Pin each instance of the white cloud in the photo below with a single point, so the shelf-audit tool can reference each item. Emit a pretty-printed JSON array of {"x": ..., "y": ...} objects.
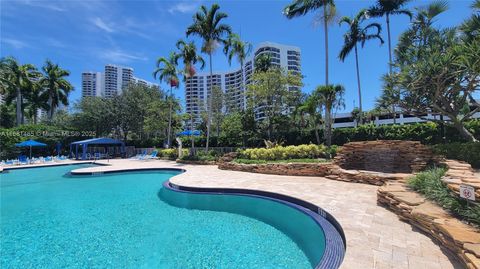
[
  {"x": 182, "y": 8},
  {"x": 44, "y": 4},
  {"x": 15, "y": 43},
  {"x": 118, "y": 56},
  {"x": 98, "y": 22}
]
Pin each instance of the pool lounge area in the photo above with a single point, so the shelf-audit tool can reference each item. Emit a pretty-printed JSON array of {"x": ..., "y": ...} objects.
[{"x": 374, "y": 236}]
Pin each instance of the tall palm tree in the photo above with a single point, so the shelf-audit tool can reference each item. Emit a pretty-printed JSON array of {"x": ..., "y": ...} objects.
[
  {"x": 358, "y": 34},
  {"x": 301, "y": 7},
  {"x": 332, "y": 98},
  {"x": 235, "y": 47},
  {"x": 188, "y": 53},
  {"x": 207, "y": 25},
  {"x": 388, "y": 8},
  {"x": 16, "y": 80},
  {"x": 35, "y": 101},
  {"x": 56, "y": 87},
  {"x": 167, "y": 72}
]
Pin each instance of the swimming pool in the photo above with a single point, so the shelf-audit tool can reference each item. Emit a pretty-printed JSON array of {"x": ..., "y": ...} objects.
[{"x": 129, "y": 220}]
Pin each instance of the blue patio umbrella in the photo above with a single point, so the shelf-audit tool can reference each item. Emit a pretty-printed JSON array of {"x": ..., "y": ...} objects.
[
  {"x": 29, "y": 144},
  {"x": 189, "y": 133}
]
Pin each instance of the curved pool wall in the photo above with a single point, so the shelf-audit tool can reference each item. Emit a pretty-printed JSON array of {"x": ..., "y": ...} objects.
[
  {"x": 314, "y": 230},
  {"x": 318, "y": 234}
]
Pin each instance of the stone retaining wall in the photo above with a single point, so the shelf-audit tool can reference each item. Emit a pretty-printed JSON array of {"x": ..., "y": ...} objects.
[
  {"x": 460, "y": 173},
  {"x": 458, "y": 237},
  {"x": 328, "y": 170},
  {"x": 389, "y": 156}
]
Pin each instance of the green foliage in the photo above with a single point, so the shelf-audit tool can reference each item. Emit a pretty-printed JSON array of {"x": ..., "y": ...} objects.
[
  {"x": 47, "y": 134},
  {"x": 248, "y": 161},
  {"x": 201, "y": 156},
  {"x": 284, "y": 153},
  {"x": 468, "y": 152},
  {"x": 429, "y": 184},
  {"x": 172, "y": 153}
]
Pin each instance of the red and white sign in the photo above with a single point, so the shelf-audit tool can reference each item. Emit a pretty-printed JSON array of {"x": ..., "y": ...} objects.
[{"x": 467, "y": 192}]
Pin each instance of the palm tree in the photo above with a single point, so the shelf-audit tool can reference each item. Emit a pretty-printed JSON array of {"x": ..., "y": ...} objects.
[
  {"x": 301, "y": 7},
  {"x": 358, "y": 34},
  {"x": 56, "y": 87},
  {"x": 35, "y": 100},
  {"x": 16, "y": 80},
  {"x": 207, "y": 25},
  {"x": 388, "y": 8},
  {"x": 332, "y": 98},
  {"x": 313, "y": 106},
  {"x": 167, "y": 72},
  {"x": 188, "y": 53},
  {"x": 235, "y": 47}
]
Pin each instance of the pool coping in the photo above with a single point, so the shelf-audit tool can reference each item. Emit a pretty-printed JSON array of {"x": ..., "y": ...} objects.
[
  {"x": 333, "y": 255},
  {"x": 20, "y": 167}
]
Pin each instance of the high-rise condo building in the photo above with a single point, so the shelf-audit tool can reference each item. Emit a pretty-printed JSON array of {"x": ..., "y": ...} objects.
[
  {"x": 233, "y": 83},
  {"x": 92, "y": 84},
  {"x": 111, "y": 82},
  {"x": 116, "y": 78}
]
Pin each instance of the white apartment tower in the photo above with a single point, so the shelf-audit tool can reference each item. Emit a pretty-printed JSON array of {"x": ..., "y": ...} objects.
[
  {"x": 116, "y": 78},
  {"x": 111, "y": 82},
  {"x": 197, "y": 88},
  {"x": 92, "y": 84}
]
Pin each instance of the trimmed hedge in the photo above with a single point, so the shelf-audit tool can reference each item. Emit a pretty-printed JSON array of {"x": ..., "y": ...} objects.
[
  {"x": 468, "y": 152},
  {"x": 284, "y": 153},
  {"x": 172, "y": 153}
]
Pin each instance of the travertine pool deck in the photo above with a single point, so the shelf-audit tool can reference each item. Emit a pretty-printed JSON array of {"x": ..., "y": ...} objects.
[{"x": 375, "y": 237}]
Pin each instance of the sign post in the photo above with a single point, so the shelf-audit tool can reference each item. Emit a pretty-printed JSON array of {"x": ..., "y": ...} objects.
[{"x": 467, "y": 192}]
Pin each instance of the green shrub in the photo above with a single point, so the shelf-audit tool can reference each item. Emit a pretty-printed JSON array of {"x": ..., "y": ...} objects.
[
  {"x": 468, "y": 152},
  {"x": 171, "y": 153},
  {"x": 201, "y": 156},
  {"x": 429, "y": 184},
  {"x": 284, "y": 153}
]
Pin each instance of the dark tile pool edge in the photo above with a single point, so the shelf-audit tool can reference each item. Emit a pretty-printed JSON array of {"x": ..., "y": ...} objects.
[
  {"x": 335, "y": 245},
  {"x": 124, "y": 171}
]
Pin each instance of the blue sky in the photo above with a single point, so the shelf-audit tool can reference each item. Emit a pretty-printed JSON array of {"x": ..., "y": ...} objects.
[{"x": 86, "y": 35}]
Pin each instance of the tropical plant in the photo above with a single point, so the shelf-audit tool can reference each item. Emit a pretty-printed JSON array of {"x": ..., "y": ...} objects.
[
  {"x": 57, "y": 88},
  {"x": 388, "y": 8},
  {"x": 188, "y": 53},
  {"x": 332, "y": 98},
  {"x": 471, "y": 26},
  {"x": 312, "y": 106},
  {"x": 15, "y": 81},
  {"x": 301, "y": 7},
  {"x": 35, "y": 101},
  {"x": 358, "y": 34},
  {"x": 207, "y": 24},
  {"x": 167, "y": 71},
  {"x": 390, "y": 96}
]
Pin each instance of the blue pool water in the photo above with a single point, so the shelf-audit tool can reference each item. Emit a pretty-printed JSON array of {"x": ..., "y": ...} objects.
[{"x": 49, "y": 220}]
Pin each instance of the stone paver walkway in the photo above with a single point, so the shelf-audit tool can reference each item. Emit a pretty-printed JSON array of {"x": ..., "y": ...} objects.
[{"x": 375, "y": 237}]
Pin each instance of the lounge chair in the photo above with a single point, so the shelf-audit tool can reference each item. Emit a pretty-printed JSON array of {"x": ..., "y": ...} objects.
[
  {"x": 49, "y": 159},
  {"x": 153, "y": 155},
  {"x": 139, "y": 156},
  {"x": 22, "y": 159}
]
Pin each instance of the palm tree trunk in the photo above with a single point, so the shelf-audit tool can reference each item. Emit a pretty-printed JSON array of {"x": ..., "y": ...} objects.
[
  {"x": 325, "y": 26},
  {"x": 358, "y": 84},
  {"x": 328, "y": 126},
  {"x": 169, "y": 119},
  {"x": 317, "y": 135},
  {"x": 50, "y": 109},
  {"x": 389, "y": 44},
  {"x": 209, "y": 102},
  {"x": 19, "y": 108}
]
